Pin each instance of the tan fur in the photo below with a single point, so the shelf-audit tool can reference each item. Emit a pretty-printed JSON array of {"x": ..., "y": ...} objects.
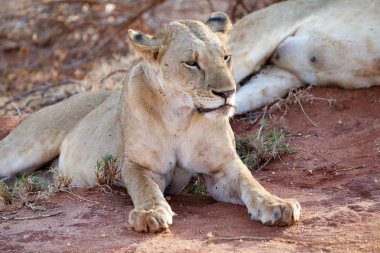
[
  {"x": 37, "y": 139},
  {"x": 170, "y": 121},
  {"x": 318, "y": 42}
]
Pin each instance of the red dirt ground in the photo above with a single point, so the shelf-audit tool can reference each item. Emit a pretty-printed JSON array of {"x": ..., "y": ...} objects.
[{"x": 334, "y": 173}]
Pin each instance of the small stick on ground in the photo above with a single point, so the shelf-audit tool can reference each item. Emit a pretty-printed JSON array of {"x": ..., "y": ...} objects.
[
  {"x": 32, "y": 217},
  {"x": 252, "y": 238},
  {"x": 238, "y": 238},
  {"x": 262, "y": 166},
  {"x": 307, "y": 117},
  {"x": 352, "y": 168},
  {"x": 34, "y": 207},
  {"x": 80, "y": 197},
  {"x": 105, "y": 188}
]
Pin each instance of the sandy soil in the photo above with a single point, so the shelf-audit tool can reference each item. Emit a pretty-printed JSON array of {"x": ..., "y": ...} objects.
[{"x": 334, "y": 173}]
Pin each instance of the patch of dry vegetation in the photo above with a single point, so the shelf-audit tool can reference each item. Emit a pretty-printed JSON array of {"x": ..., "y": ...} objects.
[
  {"x": 5, "y": 194},
  {"x": 258, "y": 149},
  {"x": 107, "y": 170},
  {"x": 299, "y": 96},
  {"x": 26, "y": 188},
  {"x": 268, "y": 142},
  {"x": 196, "y": 186},
  {"x": 60, "y": 181}
]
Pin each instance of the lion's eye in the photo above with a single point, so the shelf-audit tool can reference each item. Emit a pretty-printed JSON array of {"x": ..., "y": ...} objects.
[
  {"x": 227, "y": 58},
  {"x": 191, "y": 64}
]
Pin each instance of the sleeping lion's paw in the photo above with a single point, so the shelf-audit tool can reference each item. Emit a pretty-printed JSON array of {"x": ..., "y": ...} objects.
[
  {"x": 274, "y": 211},
  {"x": 151, "y": 221}
]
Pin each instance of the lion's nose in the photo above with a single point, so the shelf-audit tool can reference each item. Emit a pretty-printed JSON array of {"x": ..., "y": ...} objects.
[{"x": 223, "y": 94}]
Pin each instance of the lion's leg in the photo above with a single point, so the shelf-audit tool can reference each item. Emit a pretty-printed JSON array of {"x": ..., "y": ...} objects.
[
  {"x": 152, "y": 213},
  {"x": 271, "y": 84},
  {"x": 37, "y": 139},
  {"x": 235, "y": 184}
]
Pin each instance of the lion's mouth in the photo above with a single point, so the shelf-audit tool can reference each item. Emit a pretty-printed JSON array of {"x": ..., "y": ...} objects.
[{"x": 206, "y": 110}]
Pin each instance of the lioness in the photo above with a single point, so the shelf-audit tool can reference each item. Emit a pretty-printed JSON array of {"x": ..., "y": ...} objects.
[
  {"x": 172, "y": 120},
  {"x": 292, "y": 43}
]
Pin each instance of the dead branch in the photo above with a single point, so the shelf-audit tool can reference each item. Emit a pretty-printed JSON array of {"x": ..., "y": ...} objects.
[
  {"x": 306, "y": 116},
  {"x": 121, "y": 27},
  {"x": 240, "y": 8},
  {"x": 112, "y": 73},
  {"x": 211, "y": 6},
  {"x": 43, "y": 87},
  {"x": 234, "y": 7},
  {"x": 75, "y": 2}
]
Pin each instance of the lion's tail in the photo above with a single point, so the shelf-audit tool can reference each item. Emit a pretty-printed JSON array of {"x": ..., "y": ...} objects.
[{"x": 37, "y": 139}]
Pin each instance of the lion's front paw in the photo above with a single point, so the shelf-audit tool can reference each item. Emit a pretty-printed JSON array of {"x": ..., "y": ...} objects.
[
  {"x": 276, "y": 212},
  {"x": 152, "y": 221}
]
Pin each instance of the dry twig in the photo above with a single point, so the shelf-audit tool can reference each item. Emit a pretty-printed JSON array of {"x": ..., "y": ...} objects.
[
  {"x": 80, "y": 197},
  {"x": 251, "y": 238},
  {"x": 112, "y": 73},
  {"x": 238, "y": 238},
  {"x": 32, "y": 217},
  {"x": 306, "y": 116},
  {"x": 42, "y": 87}
]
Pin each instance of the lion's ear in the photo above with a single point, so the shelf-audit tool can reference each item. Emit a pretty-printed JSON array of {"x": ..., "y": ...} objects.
[
  {"x": 219, "y": 22},
  {"x": 145, "y": 45}
]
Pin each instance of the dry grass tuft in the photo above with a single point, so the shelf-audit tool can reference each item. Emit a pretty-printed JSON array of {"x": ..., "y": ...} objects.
[
  {"x": 107, "y": 170},
  {"x": 5, "y": 194},
  {"x": 60, "y": 182},
  {"x": 196, "y": 186},
  {"x": 268, "y": 143},
  {"x": 258, "y": 149},
  {"x": 26, "y": 188}
]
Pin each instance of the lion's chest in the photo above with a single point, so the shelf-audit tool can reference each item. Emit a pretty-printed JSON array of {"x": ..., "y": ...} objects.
[
  {"x": 207, "y": 149},
  {"x": 203, "y": 147},
  {"x": 159, "y": 158}
]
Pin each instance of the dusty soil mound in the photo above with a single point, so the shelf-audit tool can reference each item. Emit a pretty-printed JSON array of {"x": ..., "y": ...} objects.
[{"x": 334, "y": 173}]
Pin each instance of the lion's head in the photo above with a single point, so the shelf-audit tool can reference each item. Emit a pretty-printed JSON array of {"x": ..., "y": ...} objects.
[{"x": 191, "y": 58}]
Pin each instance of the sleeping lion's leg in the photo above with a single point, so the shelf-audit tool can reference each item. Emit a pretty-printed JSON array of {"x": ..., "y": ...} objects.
[
  {"x": 152, "y": 212},
  {"x": 235, "y": 184},
  {"x": 37, "y": 139},
  {"x": 179, "y": 180},
  {"x": 271, "y": 84}
]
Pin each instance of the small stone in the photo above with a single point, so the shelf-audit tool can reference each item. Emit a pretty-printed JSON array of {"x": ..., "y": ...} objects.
[
  {"x": 68, "y": 244},
  {"x": 209, "y": 235},
  {"x": 9, "y": 45},
  {"x": 103, "y": 235}
]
